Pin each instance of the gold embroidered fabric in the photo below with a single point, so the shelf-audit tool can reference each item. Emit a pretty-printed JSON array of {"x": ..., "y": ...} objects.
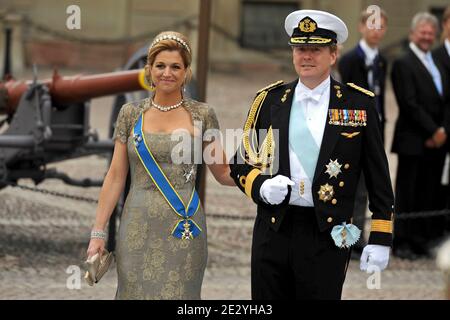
[{"x": 151, "y": 263}]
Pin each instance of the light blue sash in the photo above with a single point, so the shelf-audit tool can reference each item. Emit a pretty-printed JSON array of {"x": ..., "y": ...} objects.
[
  {"x": 185, "y": 228},
  {"x": 301, "y": 140}
]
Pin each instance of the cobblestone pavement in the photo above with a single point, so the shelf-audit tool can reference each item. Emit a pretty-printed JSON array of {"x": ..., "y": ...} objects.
[{"x": 43, "y": 238}]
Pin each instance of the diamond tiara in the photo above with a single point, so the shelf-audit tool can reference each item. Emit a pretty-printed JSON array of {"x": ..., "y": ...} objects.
[{"x": 171, "y": 37}]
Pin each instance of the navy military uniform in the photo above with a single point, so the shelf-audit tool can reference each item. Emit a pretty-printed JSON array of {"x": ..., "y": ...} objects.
[{"x": 293, "y": 254}]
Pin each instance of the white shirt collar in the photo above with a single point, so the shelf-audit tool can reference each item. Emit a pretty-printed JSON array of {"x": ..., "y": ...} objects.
[
  {"x": 301, "y": 90},
  {"x": 419, "y": 53},
  {"x": 370, "y": 53},
  {"x": 447, "y": 46}
]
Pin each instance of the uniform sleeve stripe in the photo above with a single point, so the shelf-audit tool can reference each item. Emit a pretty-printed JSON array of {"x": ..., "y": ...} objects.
[
  {"x": 249, "y": 181},
  {"x": 381, "y": 226}
]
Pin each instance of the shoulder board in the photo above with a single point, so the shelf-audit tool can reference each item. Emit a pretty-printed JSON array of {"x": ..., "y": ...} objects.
[
  {"x": 271, "y": 86},
  {"x": 365, "y": 91}
]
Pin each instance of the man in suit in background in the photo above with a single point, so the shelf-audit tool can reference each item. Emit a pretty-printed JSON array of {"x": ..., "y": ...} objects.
[
  {"x": 442, "y": 56},
  {"x": 366, "y": 67},
  {"x": 419, "y": 139}
]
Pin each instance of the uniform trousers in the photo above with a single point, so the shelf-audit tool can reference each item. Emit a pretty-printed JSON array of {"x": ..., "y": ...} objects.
[{"x": 297, "y": 261}]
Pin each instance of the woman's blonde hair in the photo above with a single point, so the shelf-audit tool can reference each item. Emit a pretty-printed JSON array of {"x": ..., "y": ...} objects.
[{"x": 171, "y": 41}]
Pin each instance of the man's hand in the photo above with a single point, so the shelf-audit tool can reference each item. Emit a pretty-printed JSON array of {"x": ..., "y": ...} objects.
[
  {"x": 374, "y": 255},
  {"x": 429, "y": 143},
  {"x": 274, "y": 190},
  {"x": 439, "y": 137}
]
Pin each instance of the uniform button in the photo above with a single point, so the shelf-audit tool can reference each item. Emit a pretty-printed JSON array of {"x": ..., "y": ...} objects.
[
  {"x": 273, "y": 220},
  {"x": 334, "y": 201},
  {"x": 341, "y": 184},
  {"x": 330, "y": 219},
  {"x": 346, "y": 166}
]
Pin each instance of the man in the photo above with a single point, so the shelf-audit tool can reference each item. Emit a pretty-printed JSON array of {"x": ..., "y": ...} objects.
[
  {"x": 442, "y": 56},
  {"x": 420, "y": 134},
  {"x": 320, "y": 135},
  {"x": 366, "y": 67}
]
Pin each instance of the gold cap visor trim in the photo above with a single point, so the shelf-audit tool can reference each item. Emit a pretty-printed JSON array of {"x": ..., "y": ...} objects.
[{"x": 309, "y": 40}]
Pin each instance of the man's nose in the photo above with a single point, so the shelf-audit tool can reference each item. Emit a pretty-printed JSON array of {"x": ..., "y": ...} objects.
[
  {"x": 428, "y": 37},
  {"x": 307, "y": 54}
]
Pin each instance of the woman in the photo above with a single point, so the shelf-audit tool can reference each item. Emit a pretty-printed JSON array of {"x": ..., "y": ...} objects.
[{"x": 162, "y": 246}]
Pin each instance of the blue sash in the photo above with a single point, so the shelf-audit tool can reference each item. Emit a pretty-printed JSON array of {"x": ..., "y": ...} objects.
[{"x": 185, "y": 228}]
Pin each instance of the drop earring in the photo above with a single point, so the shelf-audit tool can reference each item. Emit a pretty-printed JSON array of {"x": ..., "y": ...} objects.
[{"x": 149, "y": 83}]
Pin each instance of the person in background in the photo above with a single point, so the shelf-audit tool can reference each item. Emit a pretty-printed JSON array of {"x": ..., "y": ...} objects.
[
  {"x": 442, "y": 56},
  {"x": 366, "y": 67},
  {"x": 420, "y": 139}
]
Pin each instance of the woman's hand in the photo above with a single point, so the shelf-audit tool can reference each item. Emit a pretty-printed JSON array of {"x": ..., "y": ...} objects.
[{"x": 95, "y": 246}]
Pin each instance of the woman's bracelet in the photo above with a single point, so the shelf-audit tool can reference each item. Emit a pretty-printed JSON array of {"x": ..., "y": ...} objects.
[{"x": 98, "y": 234}]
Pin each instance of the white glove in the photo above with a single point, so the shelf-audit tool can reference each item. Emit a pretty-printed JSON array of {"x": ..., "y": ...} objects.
[
  {"x": 374, "y": 255},
  {"x": 274, "y": 190}
]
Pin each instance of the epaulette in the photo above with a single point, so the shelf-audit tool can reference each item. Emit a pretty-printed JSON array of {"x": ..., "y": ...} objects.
[
  {"x": 354, "y": 86},
  {"x": 271, "y": 86}
]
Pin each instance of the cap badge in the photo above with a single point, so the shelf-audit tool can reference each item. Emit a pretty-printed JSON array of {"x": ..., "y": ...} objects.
[{"x": 307, "y": 25}]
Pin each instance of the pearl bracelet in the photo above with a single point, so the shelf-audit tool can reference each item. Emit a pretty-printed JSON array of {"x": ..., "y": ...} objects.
[{"x": 98, "y": 234}]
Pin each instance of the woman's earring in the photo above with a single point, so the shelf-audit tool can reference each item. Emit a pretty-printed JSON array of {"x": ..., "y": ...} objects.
[
  {"x": 147, "y": 78},
  {"x": 184, "y": 85},
  {"x": 150, "y": 83}
]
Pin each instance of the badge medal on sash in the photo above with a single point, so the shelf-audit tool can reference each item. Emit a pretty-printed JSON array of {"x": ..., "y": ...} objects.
[
  {"x": 345, "y": 235},
  {"x": 185, "y": 228}
]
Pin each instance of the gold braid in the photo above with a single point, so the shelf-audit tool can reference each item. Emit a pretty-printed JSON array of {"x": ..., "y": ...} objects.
[{"x": 260, "y": 159}]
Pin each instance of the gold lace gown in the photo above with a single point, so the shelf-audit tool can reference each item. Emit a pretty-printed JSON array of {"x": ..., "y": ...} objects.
[{"x": 151, "y": 262}]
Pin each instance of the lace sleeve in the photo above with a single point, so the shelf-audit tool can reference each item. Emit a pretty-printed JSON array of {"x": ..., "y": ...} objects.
[
  {"x": 122, "y": 126},
  {"x": 211, "y": 119}
]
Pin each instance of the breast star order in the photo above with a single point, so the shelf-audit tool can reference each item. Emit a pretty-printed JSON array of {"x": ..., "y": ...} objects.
[{"x": 333, "y": 168}]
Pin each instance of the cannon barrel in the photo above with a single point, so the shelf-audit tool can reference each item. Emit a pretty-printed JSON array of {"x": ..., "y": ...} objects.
[{"x": 74, "y": 89}]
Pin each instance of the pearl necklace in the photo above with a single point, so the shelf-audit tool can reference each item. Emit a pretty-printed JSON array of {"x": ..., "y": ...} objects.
[{"x": 168, "y": 108}]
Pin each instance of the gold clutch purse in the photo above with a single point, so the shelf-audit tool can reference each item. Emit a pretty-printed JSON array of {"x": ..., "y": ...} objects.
[{"x": 97, "y": 266}]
